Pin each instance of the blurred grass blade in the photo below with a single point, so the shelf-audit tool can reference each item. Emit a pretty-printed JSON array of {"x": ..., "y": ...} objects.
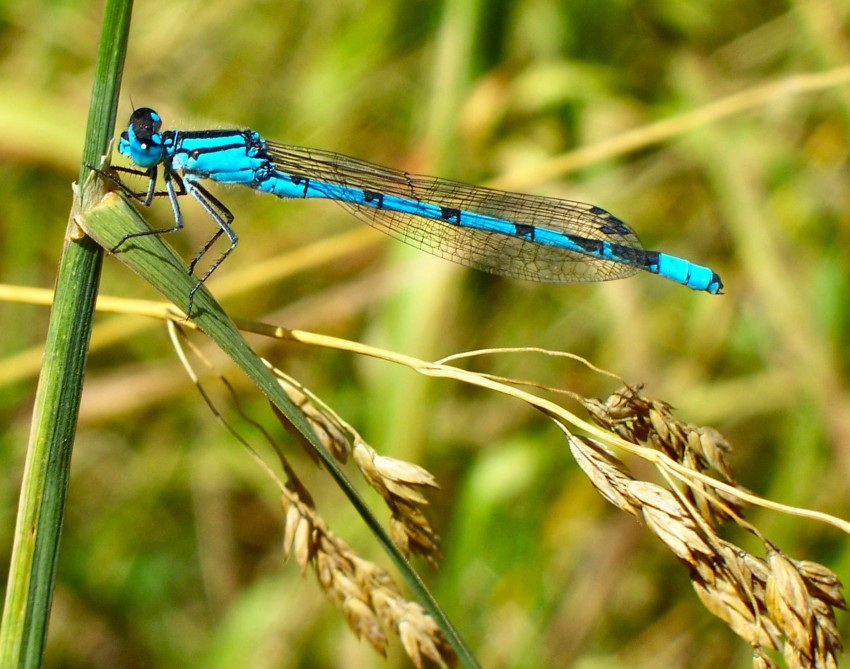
[
  {"x": 41, "y": 509},
  {"x": 111, "y": 221}
]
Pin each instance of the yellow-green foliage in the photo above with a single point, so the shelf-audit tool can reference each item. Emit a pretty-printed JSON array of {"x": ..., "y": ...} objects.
[{"x": 717, "y": 130}]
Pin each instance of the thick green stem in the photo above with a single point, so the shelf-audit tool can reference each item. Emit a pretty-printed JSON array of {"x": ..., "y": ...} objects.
[{"x": 43, "y": 491}]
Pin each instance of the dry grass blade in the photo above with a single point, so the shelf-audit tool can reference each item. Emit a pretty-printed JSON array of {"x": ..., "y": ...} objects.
[{"x": 774, "y": 603}]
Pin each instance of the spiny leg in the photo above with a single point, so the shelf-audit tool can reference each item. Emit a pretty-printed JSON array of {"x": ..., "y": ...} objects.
[
  {"x": 144, "y": 197},
  {"x": 223, "y": 217},
  {"x": 170, "y": 178}
]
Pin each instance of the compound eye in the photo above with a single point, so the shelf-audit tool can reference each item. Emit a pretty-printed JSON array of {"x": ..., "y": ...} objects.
[{"x": 145, "y": 122}]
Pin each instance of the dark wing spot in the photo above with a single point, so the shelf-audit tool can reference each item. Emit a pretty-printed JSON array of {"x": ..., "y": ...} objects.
[
  {"x": 374, "y": 198},
  {"x": 611, "y": 224},
  {"x": 525, "y": 231},
  {"x": 590, "y": 246},
  {"x": 449, "y": 213}
]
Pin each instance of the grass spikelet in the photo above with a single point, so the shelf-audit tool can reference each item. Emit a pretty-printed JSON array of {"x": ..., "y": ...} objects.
[
  {"x": 327, "y": 425},
  {"x": 367, "y": 594},
  {"x": 774, "y": 603},
  {"x": 399, "y": 483},
  {"x": 652, "y": 423},
  {"x": 607, "y": 473}
]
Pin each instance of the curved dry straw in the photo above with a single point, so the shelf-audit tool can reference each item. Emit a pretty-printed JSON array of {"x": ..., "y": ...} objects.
[{"x": 773, "y": 602}]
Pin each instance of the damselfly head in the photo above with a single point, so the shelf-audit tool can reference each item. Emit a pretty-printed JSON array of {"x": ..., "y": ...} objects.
[
  {"x": 142, "y": 141},
  {"x": 145, "y": 123}
]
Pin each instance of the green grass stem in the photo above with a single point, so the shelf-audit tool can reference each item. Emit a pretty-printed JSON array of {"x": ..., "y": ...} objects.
[{"x": 41, "y": 508}]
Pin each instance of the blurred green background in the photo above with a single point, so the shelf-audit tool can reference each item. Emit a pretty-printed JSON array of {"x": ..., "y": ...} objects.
[{"x": 171, "y": 553}]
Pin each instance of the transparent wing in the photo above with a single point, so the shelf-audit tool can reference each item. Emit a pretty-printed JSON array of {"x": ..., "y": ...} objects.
[{"x": 508, "y": 255}]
